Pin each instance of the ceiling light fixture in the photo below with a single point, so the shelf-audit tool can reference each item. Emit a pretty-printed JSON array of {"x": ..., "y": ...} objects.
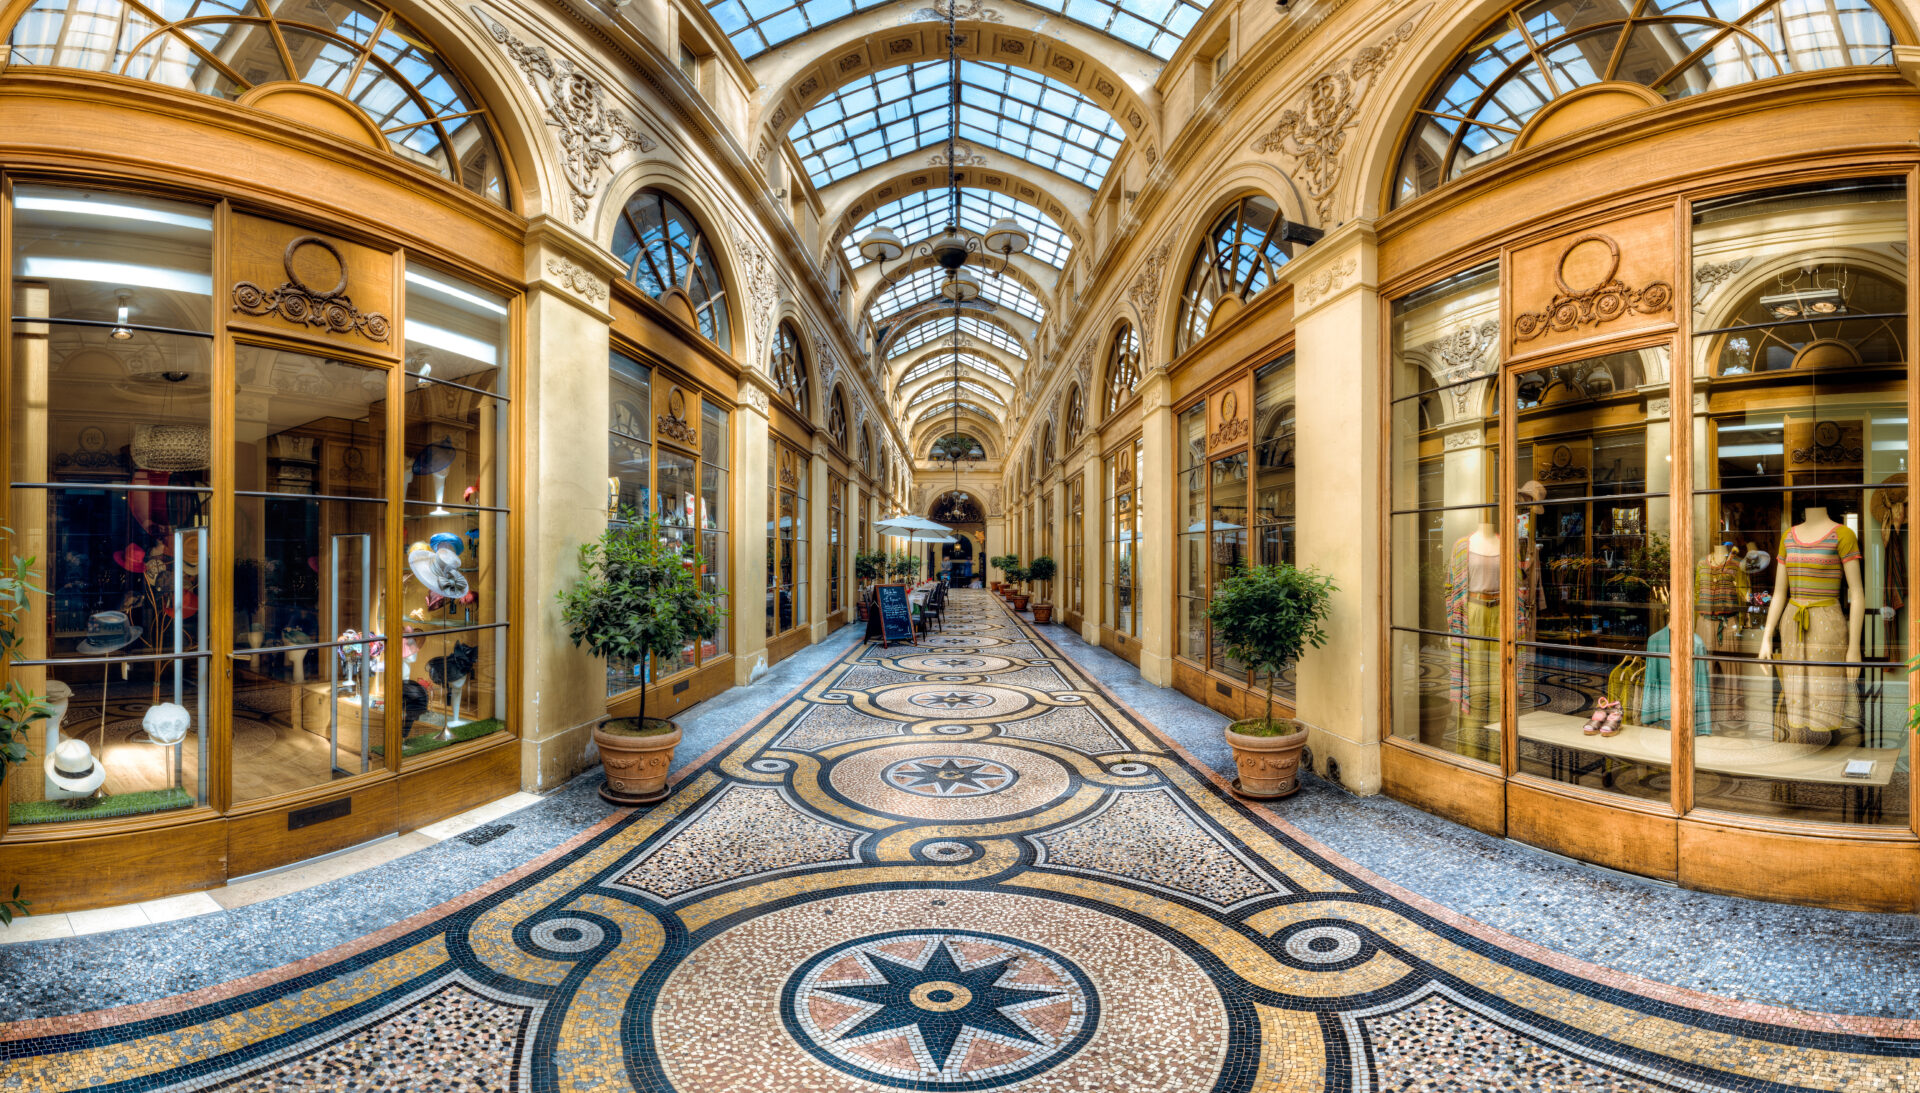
[{"x": 121, "y": 331}]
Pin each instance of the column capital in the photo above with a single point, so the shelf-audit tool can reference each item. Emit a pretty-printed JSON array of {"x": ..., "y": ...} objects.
[
  {"x": 569, "y": 266},
  {"x": 1343, "y": 262}
]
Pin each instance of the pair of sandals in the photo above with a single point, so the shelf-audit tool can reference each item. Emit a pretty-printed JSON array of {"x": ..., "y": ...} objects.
[{"x": 1605, "y": 720}]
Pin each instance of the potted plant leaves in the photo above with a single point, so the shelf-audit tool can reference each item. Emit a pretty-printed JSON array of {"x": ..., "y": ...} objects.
[
  {"x": 999, "y": 562},
  {"x": 905, "y": 566},
  {"x": 20, "y": 707},
  {"x": 1017, "y": 574},
  {"x": 1266, "y": 617},
  {"x": 868, "y": 566},
  {"x": 1041, "y": 571},
  {"x": 638, "y": 598}
]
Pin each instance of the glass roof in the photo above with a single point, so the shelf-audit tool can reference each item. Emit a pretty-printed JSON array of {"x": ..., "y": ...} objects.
[
  {"x": 924, "y": 285},
  {"x": 933, "y": 330},
  {"x": 945, "y": 409},
  {"x": 963, "y": 388},
  {"x": 922, "y": 215},
  {"x": 1546, "y": 49},
  {"x": 756, "y": 26},
  {"x": 968, "y": 361},
  {"x": 903, "y": 110}
]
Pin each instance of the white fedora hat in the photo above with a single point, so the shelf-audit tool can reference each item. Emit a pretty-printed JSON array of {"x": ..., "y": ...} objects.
[{"x": 73, "y": 768}]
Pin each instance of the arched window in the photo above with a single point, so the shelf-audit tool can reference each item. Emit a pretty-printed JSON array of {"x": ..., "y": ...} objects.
[
  {"x": 1046, "y": 447},
  {"x": 865, "y": 456},
  {"x": 1501, "y": 94},
  {"x": 1123, "y": 366},
  {"x": 1234, "y": 263},
  {"x": 790, "y": 367},
  {"x": 837, "y": 418},
  {"x": 360, "y": 51},
  {"x": 669, "y": 257},
  {"x": 1076, "y": 418}
]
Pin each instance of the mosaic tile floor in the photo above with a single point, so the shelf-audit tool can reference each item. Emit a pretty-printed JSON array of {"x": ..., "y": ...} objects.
[{"x": 964, "y": 867}]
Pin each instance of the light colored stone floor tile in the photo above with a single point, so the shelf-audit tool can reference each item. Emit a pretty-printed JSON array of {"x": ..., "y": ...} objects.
[
  {"x": 103, "y": 919},
  {"x": 35, "y": 928},
  {"x": 306, "y": 876},
  {"x": 178, "y": 907}
]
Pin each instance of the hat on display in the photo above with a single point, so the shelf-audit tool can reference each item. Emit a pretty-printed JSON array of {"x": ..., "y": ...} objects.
[
  {"x": 1533, "y": 492},
  {"x": 133, "y": 558},
  {"x": 435, "y": 458},
  {"x": 108, "y": 632},
  {"x": 72, "y": 768},
  {"x": 445, "y": 540},
  {"x": 190, "y": 555},
  {"x": 167, "y": 723},
  {"x": 436, "y": 574}
]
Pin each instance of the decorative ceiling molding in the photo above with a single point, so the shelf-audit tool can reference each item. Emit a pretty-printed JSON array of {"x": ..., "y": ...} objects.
[
  {"x": 590, "y": 133},
  {"x": 759, "y": 285},
  {"x": 1145, "y": 295}
]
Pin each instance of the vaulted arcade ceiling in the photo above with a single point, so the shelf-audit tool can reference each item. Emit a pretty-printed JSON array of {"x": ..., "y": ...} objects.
[{"x": 863, "y": 90}]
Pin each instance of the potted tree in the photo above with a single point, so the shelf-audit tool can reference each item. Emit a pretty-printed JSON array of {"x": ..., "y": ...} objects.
[
  {"x": 1041, "y": 572},
  {"x": 868, "y": 567},
  {"x": 638, "y": 597},
  {"x": 1266, "y": 617},
  {"x": 905, "y": 566},
  {"x": 20, "y": 707},
  {"x": 1017, "y": 574},
  {"x": 999, "y": 562}
]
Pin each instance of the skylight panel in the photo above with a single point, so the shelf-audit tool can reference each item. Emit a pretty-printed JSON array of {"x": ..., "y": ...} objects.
[
  {"x": 964, "y": 388},
  {"x": 918, "y": 217},
  {"x": 924, "y": 285},
  {"x": 969, "y": 362},
  {"x": 1155, "y": 26},
  {"x": 945, "y": 409},
  {"x": 903, "y": 110},
  {"x": 933, "y": 330}
]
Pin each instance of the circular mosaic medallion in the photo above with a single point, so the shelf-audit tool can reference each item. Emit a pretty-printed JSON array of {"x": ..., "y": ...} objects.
[
  {"x": 932, "y": 989},
  {"x": 946, "y": 700},
  {"x": 946, "y": 851},
  {"x": 567, "y": 935},
  {"x": 1130, "y": 768},
  {"x": 949, "y": 780},
  {"x": 1323, "y": 945},
  {"x": 949, "y": 776},
  {"x": 952, "y": 730},
  {"x": 958, "y": 662},
  {"x": 960, "y": 641},
  {"x": 770, "y": 766},
  {"x": 940, "y": 1007}
]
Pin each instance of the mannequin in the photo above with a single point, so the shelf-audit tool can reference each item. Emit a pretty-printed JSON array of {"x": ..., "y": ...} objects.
[
  {"x": 1816, "y": 557},
  {"x": 1473, "y": 610},
  {"x": 1720, "y": 589}
]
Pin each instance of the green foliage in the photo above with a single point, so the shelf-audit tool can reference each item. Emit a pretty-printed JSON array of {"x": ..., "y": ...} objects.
[
  {"x": 870, "y": 565},
  {"x": 1267, "y": 616},
  {"x": 1006, "y": 564},
  {"x": 1041, "y": 569},
  {"x": 639, "y": 596},
  {"x": 905, "y": 565},
  {"x": 1015, "y": 572},
  {"x": 19, "y": 707},
  {"x": 11, "y": 907}
]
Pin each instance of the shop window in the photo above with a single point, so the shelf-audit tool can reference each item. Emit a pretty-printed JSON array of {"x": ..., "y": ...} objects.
[
  {"x": 669, "y": 257},
  {"x": 1802, "y": 596},
  {"x": 1502, "y": 93},
  {"x": 836, "y": 536},
  {"x": 664, "y": 461},
  {"x": 1236, "y": 494},
  {"x": 788, "y": 472},
  {"x": 115, "y": 479},
  {"x": 1076, "y": 419},
  {"x": 1123, "y": 366},
  {"x": 1075, "y": 566},
  {"x": 1122, "y": 471},
  {"x": 399, "y": 83},
  {"x": 1237, "y": 261},
  {"x": 1446, "y": 542},
  {"x": 1591, "y": 541}
]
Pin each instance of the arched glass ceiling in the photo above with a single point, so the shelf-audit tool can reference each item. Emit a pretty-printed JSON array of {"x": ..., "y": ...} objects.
[
  {"x": 961, "y": 388},
  {"x": 903, "y": 110},
  {"x": 924, "y": 285},
  {"x": 933, "y": 330},
  {"x": 968, "y": 362},
  {"x": 756, "y": 26},
  {"x": 919, "y": 216},
  {"x": 945, "y": 409}
]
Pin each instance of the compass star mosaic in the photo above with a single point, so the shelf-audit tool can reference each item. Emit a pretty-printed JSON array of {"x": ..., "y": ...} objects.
[{"x": 869, "y": 889}]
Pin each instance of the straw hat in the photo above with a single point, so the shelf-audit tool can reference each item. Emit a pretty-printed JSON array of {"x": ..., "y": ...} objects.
[{"x": 72, "y": 768}]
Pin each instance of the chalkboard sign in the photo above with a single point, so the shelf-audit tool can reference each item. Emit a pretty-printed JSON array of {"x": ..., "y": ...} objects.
[{"x": 891, "y": 617}]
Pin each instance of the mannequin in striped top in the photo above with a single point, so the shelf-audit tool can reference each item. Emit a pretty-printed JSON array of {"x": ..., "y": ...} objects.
[{"x": 1816, "y": 558}]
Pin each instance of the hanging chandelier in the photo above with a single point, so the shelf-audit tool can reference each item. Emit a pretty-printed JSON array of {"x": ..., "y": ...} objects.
[{"x": 954, "y": 247}]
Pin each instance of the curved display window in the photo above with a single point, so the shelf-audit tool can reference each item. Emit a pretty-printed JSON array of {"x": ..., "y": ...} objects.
[
  {"x": 1666, "y": 570},
  {"x": 1122, "y": 471},
  {"x": 310, "y": 588},
  {"x": 788, "y": 473}
]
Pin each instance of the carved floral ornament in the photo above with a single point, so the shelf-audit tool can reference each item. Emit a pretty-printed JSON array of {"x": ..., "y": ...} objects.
[
  {"x": 577, "y": 279},
  {"x": 1314, "y": 132},
  {"x": 590, "y": 132},
  {"x": 1603, "y": 302},
  {"x": 1325, "y": 283},
  {"x": 299, "y": 303},
  {"x": 673, "y": 425},
  {"x": 1232, "y": 425}
]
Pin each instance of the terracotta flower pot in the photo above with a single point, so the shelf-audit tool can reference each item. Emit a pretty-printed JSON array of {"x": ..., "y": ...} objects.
[
  {"x": 1042, "y": 612},
  {"x": 1269, "y": 765},
  {"x": 636, "y": 765},
  {"x": 1019, "y": 601}
]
